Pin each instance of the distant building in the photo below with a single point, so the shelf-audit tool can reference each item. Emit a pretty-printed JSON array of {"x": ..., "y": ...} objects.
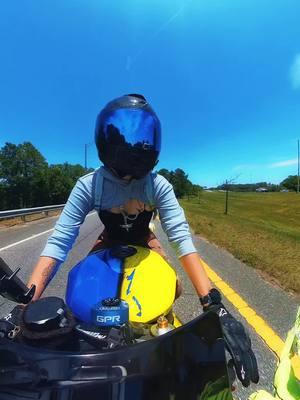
[{"x": 261, "y": 189}]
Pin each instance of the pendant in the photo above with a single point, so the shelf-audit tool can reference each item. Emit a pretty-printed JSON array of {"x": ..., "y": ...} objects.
[{"x": 126, "y": 226}]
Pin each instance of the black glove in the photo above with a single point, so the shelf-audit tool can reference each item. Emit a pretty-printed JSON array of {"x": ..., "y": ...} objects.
[{"x": 237, "y": 340}]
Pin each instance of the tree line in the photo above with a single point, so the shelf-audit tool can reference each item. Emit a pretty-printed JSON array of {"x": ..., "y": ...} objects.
[
  {"x": 290, "y": 183},
  {"x": 27, "y": 180},
  {"x": 181, "y": 184}
]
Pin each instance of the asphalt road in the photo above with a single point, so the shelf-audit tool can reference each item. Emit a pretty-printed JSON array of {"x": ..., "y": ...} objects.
[{"x": 22, "y": 245}]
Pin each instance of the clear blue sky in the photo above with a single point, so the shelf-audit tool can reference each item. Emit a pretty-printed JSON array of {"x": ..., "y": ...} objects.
[{"x": 223, "y": 76}]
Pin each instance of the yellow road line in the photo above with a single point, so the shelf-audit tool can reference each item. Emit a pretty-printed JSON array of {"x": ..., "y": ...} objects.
[{"x": 273, "y": 341}]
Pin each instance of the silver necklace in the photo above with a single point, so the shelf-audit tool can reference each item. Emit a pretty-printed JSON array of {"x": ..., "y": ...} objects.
[{"x": 127, "y": 218}]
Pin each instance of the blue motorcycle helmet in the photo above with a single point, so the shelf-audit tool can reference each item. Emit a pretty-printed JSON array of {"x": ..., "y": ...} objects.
[{"x": 128, "y": 136}]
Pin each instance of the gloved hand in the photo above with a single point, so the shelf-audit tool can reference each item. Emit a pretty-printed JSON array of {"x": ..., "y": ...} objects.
[{"x": 237, "y": 340}]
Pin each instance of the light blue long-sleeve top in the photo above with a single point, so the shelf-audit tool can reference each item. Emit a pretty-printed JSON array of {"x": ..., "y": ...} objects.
[{"x": 116, "y": 192}]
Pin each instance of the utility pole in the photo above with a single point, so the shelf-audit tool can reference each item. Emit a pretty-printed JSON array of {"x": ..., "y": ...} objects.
[
  {"x": 227, "y": 182},
  {"x": 85, "y": 155},
  {"x": 298, "y": 180},
  {"x": 226, "y": 202},
  {"x": 86, "y": 145}
]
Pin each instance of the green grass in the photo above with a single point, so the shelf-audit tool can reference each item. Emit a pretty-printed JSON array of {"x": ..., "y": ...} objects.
[{"x": 261, "y": 229}]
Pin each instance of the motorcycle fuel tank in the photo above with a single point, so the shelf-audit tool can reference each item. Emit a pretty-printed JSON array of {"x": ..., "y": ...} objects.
[{"x": 94, "y": 279}]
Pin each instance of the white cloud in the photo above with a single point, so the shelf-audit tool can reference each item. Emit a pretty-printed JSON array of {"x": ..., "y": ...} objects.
[
  {"x": 285, "y": 163},
  {"x": 244, "y": 167},
  {"x": 295, "y": 72},
  {"x": 253, "y": 167}
]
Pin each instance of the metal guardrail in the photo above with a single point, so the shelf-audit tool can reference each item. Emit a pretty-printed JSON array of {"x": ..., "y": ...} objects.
[{"x": 27, "y": 211}]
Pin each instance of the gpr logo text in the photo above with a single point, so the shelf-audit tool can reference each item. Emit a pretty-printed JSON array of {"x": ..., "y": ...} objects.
[{"x": 102, "y": 318}]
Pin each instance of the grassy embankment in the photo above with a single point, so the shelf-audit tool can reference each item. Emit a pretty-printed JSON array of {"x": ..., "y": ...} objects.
[{"x": 261, "y": 229}]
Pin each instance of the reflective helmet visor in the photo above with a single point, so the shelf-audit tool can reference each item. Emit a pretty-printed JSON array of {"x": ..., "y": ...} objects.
[
  {"x": 134, "y": 128},
  {"x": 128, "y": 140}
]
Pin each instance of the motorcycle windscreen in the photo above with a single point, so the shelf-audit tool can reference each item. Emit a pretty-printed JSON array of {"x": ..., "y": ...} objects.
[{"x": 187, "y": 363}]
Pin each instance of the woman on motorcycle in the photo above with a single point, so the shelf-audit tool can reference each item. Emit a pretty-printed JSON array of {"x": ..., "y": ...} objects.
[
  {"x": 128, "y": 136},
  {"x": 126, "y": 193}
]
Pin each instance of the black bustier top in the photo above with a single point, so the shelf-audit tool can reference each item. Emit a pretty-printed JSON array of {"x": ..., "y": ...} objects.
[{"x": 126, "y": 228}]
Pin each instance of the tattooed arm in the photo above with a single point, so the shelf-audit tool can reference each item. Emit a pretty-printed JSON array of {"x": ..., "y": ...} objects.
[{"x": 41, "y": 274}]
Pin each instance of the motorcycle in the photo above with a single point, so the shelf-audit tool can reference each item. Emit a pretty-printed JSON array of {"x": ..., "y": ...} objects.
[{"x": 115, "y": 337}]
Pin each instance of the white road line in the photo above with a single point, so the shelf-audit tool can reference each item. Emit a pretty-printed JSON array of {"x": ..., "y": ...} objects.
[
  {"x": 33, "y": 237},
  {"x": 25, "y": 240}
]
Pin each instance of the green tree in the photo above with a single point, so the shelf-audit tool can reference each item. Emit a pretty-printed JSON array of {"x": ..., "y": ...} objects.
[
  {"x": 3, "y": 196},
  {"x": 164, "y": 172},
  {"x": 73, "y": 171},
  {"x": 26, "y": 180},
  {"x": 61, "y": 178},
  {"x": 59, "y": 184},
  {"x": 196, "y": 189},
  {"x": 22, "y": 169},
  {"x": 181, "y": 184},
  {"x": 290, "y": 182}
]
